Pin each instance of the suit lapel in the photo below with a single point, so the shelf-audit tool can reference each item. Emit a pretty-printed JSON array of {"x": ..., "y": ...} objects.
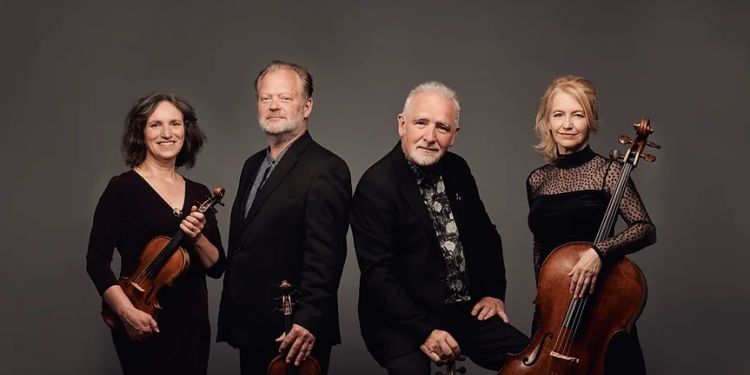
[
  {"x": 240, "y": 200},
  {"x": 410, "y": 192},
  {"x": 278, "y": 175}
]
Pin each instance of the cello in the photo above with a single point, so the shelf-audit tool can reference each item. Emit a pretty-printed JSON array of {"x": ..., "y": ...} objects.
[
  {"x": 573, "y": 333},
  {"x": 161, "y": 262},
  {"x": 278, "y": 365}
]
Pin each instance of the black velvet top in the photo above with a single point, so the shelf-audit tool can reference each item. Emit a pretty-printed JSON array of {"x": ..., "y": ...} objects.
[
  {"x": 567, "y": 201},
  {"x": 129, "y": 214}
]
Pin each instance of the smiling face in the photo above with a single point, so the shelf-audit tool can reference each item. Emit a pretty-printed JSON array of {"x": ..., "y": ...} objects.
[
  {"x": 282, "y": 108},
  {"x": 567, "y": 123},
  {"x": 164, "y": 133},
  {"x": 428, "y": 127}
]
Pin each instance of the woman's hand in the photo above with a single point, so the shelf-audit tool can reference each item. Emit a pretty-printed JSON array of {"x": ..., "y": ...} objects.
[
  {"x": 583, "y": 275},
  {"x": 138, "y": 324},
  {"x": 193, "y": 224}
]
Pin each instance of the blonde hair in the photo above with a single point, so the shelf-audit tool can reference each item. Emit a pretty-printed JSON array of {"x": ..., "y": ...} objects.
[{"x": 581, "y": 89}]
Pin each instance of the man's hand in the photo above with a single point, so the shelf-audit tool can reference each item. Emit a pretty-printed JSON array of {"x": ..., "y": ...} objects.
[
  {"x": 299, "y": 343},
  {"x": 440, "y": 345},
  {"x": 489, "y": 306}
]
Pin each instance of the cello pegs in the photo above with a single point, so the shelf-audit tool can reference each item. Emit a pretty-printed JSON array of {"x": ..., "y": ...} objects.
[
  {"x": 624, "y": 139},
  {"x": 648, "y": 157},
  {"x": 614, "y": 154}
]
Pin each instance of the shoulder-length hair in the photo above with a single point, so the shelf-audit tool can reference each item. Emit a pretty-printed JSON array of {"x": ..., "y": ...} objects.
[
  {"x": 580, "y": 88},
  {"x": 133, "y": 142}
]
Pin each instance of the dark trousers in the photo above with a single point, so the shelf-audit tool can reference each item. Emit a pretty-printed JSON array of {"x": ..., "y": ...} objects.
[
  {"x": 169, "y": 352},
  {"x": 254, "y": 360},
  {"x": 487, "y": 343}
]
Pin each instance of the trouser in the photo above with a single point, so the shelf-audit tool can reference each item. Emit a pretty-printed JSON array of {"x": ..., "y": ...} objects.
[{"x": 487, "y": 343}]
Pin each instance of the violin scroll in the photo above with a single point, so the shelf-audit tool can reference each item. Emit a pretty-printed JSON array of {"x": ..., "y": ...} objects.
[{"x": 451, "y": 368}]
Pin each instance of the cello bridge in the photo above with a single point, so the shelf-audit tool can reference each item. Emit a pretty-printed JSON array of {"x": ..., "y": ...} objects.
[{"x": 564, "y": 357}]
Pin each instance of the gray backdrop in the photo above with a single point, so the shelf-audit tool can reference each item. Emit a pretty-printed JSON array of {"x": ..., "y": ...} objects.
[{"x": 70, "y": 70}]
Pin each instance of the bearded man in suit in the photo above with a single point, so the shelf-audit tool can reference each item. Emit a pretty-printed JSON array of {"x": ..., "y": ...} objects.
[
  {"x": 288, "y": 222},
  {"x": 432, "y": 282}
]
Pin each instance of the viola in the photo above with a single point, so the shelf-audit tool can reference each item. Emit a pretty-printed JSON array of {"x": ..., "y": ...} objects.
[
  {"x": 573, "y": 333},
  {"x": 278, "y": 365},
  {"x": 161, "y": 262},
  {"x": 451, "y": 368}
]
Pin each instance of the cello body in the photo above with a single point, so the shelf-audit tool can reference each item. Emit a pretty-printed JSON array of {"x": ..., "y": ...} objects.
[{"x": 616, "y": 304}]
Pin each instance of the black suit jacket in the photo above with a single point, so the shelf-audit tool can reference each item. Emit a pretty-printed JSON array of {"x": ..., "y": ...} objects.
[
  {"x": 295, "y": 230},
  {"x": 402, "y": 289}
]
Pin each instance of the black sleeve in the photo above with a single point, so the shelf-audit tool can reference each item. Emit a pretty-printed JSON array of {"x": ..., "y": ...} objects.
[
  {"x": 640, "y": 231},
  {"x": 374, "y": 221},
  {"x": 326, "y": 224},
  {"x": 491, "y": 277},
  {"x": 105, "y": 234},
  {"x": 211, "y": 231}
]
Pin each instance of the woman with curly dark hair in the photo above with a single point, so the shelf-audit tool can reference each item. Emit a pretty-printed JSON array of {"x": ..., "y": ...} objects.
[{"x": 149, "y": 200}]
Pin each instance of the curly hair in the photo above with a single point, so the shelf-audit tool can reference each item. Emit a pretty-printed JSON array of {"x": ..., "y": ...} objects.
[{"x": 133, "y": 143}]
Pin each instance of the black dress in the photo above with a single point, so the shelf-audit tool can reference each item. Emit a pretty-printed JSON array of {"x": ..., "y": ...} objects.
[
  {"x": 129, "y": 214},
  {"x": 567, "y": 201}
]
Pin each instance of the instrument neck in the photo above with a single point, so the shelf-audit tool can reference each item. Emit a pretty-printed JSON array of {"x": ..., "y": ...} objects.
[
  {"x": 610, "y": 215},
  {"x": 160, "y": 260}
]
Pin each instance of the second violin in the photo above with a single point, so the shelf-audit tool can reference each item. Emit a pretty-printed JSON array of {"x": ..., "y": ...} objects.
[{"x": 278, "y": 365}]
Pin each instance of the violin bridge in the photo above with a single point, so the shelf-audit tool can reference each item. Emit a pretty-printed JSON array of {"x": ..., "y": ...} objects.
[
  {"x": 564, "y": 357},
  {"x": 135, "y": 285}
]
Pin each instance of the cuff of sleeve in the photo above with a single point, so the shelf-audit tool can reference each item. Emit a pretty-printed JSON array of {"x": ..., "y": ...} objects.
[
  {"x": 217, "y": 269},
  {"x": 598, "y": 251}
]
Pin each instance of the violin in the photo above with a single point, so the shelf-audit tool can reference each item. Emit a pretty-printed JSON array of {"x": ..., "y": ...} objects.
[
  {"x": 573, "y": 333},
  {"x": 451, "y": 368},
  {"x": 278, "y": 365},
  {"x": 162, "y": 261}
]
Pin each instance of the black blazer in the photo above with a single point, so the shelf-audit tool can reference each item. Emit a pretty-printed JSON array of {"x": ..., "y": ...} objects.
[
  {"x": 295, "y": 230},
  {"x": 402, "y": 290}
]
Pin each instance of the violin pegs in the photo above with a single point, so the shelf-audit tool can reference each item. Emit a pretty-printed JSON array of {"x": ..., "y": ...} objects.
[
  {"x": 648, "y": 157},
  {"x": 652, "y": 144},
  {"x": 624, "y": 139}
]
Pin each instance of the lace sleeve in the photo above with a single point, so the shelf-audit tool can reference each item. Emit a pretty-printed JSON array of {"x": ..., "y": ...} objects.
[
  {"x": 640, "y": 231},
  {"x": 532, "y": 184}
]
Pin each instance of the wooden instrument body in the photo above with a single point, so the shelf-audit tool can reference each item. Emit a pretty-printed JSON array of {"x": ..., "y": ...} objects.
[
  {"x": 278, "y": 366},
  {"x": 143, "y": 293},
  {"x": 617, "y": 302}
]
